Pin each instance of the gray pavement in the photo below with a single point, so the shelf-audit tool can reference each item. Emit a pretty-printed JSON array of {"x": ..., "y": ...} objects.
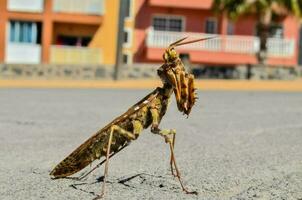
[{"x": 235, "y": 145}]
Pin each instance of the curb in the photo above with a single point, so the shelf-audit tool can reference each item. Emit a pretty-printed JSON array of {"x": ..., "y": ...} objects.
[{"x": 228, "y": 85}]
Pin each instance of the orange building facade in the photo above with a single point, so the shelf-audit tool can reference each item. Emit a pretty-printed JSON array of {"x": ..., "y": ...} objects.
[{"x": 58, "y": 31}]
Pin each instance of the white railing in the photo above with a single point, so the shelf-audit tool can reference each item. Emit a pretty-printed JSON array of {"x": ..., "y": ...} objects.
[
  {"x": 23, "y": 53},
  {"x": 281, "y": 47},
  {"x": 75, "y": 55},
  {"x": 222, "y": 43},
  {"x": 240, "y": 44},
  {"x": 26, "y": 6},
  {"x": 93, "y": 7}
]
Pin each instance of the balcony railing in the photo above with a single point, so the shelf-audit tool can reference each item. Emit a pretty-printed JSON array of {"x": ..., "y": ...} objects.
[
  {"x": 223, "y": 43},
  {"x": 23, "y": 53},
  {"x": 281, "y": 47},
  {"x": 25, "y": 6},
  {"x": 75, "y": 55},
  {"x": 92, "y": 7}
]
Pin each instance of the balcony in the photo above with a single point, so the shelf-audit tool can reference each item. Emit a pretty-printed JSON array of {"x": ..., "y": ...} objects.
[
  {"x": 89, "y": 7},
  {"x": 26, "y": 6},
  {"x": 23, "y": 53},
  {"x": 236, "y": 44},
  {"x": 225, "y": 49},
  {"x": 75, "y": 55}
]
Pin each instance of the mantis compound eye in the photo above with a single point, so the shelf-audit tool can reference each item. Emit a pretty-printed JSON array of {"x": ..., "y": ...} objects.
[{"x": 170, "y": 55}]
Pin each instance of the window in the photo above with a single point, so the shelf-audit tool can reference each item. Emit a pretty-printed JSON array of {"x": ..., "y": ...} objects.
[
  {"x": 211, "y": 26},
  {"x": 128, "y": 5},
  {"x": 168, "y": 23},
  {"x": 68, "y": 40},
  {"x": 230, "y": 28},
  {"x": 127, "y": 58},
  {"x": 160, "y": 24},
  {"x": 275, "y": 30},
  {"x": 175, "y": 24},
  {"x": 24, "y": 32},
  {"x": 127, "y": 37}
]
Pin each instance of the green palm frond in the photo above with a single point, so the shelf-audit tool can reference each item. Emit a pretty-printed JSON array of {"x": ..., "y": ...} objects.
[
  {"x": 236, "y": 8},
  {"x": 293, "y": 6}
]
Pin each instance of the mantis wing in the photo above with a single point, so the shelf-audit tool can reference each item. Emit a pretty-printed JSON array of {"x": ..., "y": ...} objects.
[{"x": 96, "y": 146}]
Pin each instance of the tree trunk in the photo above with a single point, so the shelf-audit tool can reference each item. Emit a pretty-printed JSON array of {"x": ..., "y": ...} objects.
[
  {"x": 263, "y": 36},
  {"x": 263, "y": 32}
]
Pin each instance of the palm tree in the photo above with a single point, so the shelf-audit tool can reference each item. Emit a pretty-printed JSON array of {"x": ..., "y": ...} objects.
[{"x": 266, "y": 11}]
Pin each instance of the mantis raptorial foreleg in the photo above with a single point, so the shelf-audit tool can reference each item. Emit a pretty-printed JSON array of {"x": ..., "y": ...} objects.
[{"x": 137, "y": 127}]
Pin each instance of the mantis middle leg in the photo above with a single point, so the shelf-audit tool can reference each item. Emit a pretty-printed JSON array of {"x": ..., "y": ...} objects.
[
  {"x": 166, "y": 133},
  {"x": 156, "y": 130}
]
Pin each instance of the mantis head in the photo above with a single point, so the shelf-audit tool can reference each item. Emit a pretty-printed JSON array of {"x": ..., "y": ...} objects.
[{"x": 173, "y": 74}]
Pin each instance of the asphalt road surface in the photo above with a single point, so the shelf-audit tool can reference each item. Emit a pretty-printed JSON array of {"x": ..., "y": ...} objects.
[{"x": 235, "y": 145}]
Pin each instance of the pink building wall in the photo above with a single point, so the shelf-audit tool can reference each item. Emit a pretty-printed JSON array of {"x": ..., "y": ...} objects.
[{"x": 195, "y": 16}]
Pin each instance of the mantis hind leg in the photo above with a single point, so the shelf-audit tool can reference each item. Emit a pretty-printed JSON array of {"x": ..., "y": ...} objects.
[
  {"x": 97, "y": 166},
  {"x": 125, "y": 133},
  {"x": 121, "y": 131}
]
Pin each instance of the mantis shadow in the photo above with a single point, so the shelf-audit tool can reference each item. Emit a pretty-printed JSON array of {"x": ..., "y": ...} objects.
[{"x": 141, "y": 178}]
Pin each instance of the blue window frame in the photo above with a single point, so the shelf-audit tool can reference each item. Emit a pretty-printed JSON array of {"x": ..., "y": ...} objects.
[{"x": 23, "y": 32}]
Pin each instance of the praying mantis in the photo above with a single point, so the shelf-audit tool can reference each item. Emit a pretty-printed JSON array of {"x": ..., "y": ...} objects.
[{"x": 148, "y": 112}]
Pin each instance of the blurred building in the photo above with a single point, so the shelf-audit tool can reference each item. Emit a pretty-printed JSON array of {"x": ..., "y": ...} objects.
[
  {"x": 159, "y": 23},
  {"x": 85, "y": 32},
  {"x": 58, "y": 31}
]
